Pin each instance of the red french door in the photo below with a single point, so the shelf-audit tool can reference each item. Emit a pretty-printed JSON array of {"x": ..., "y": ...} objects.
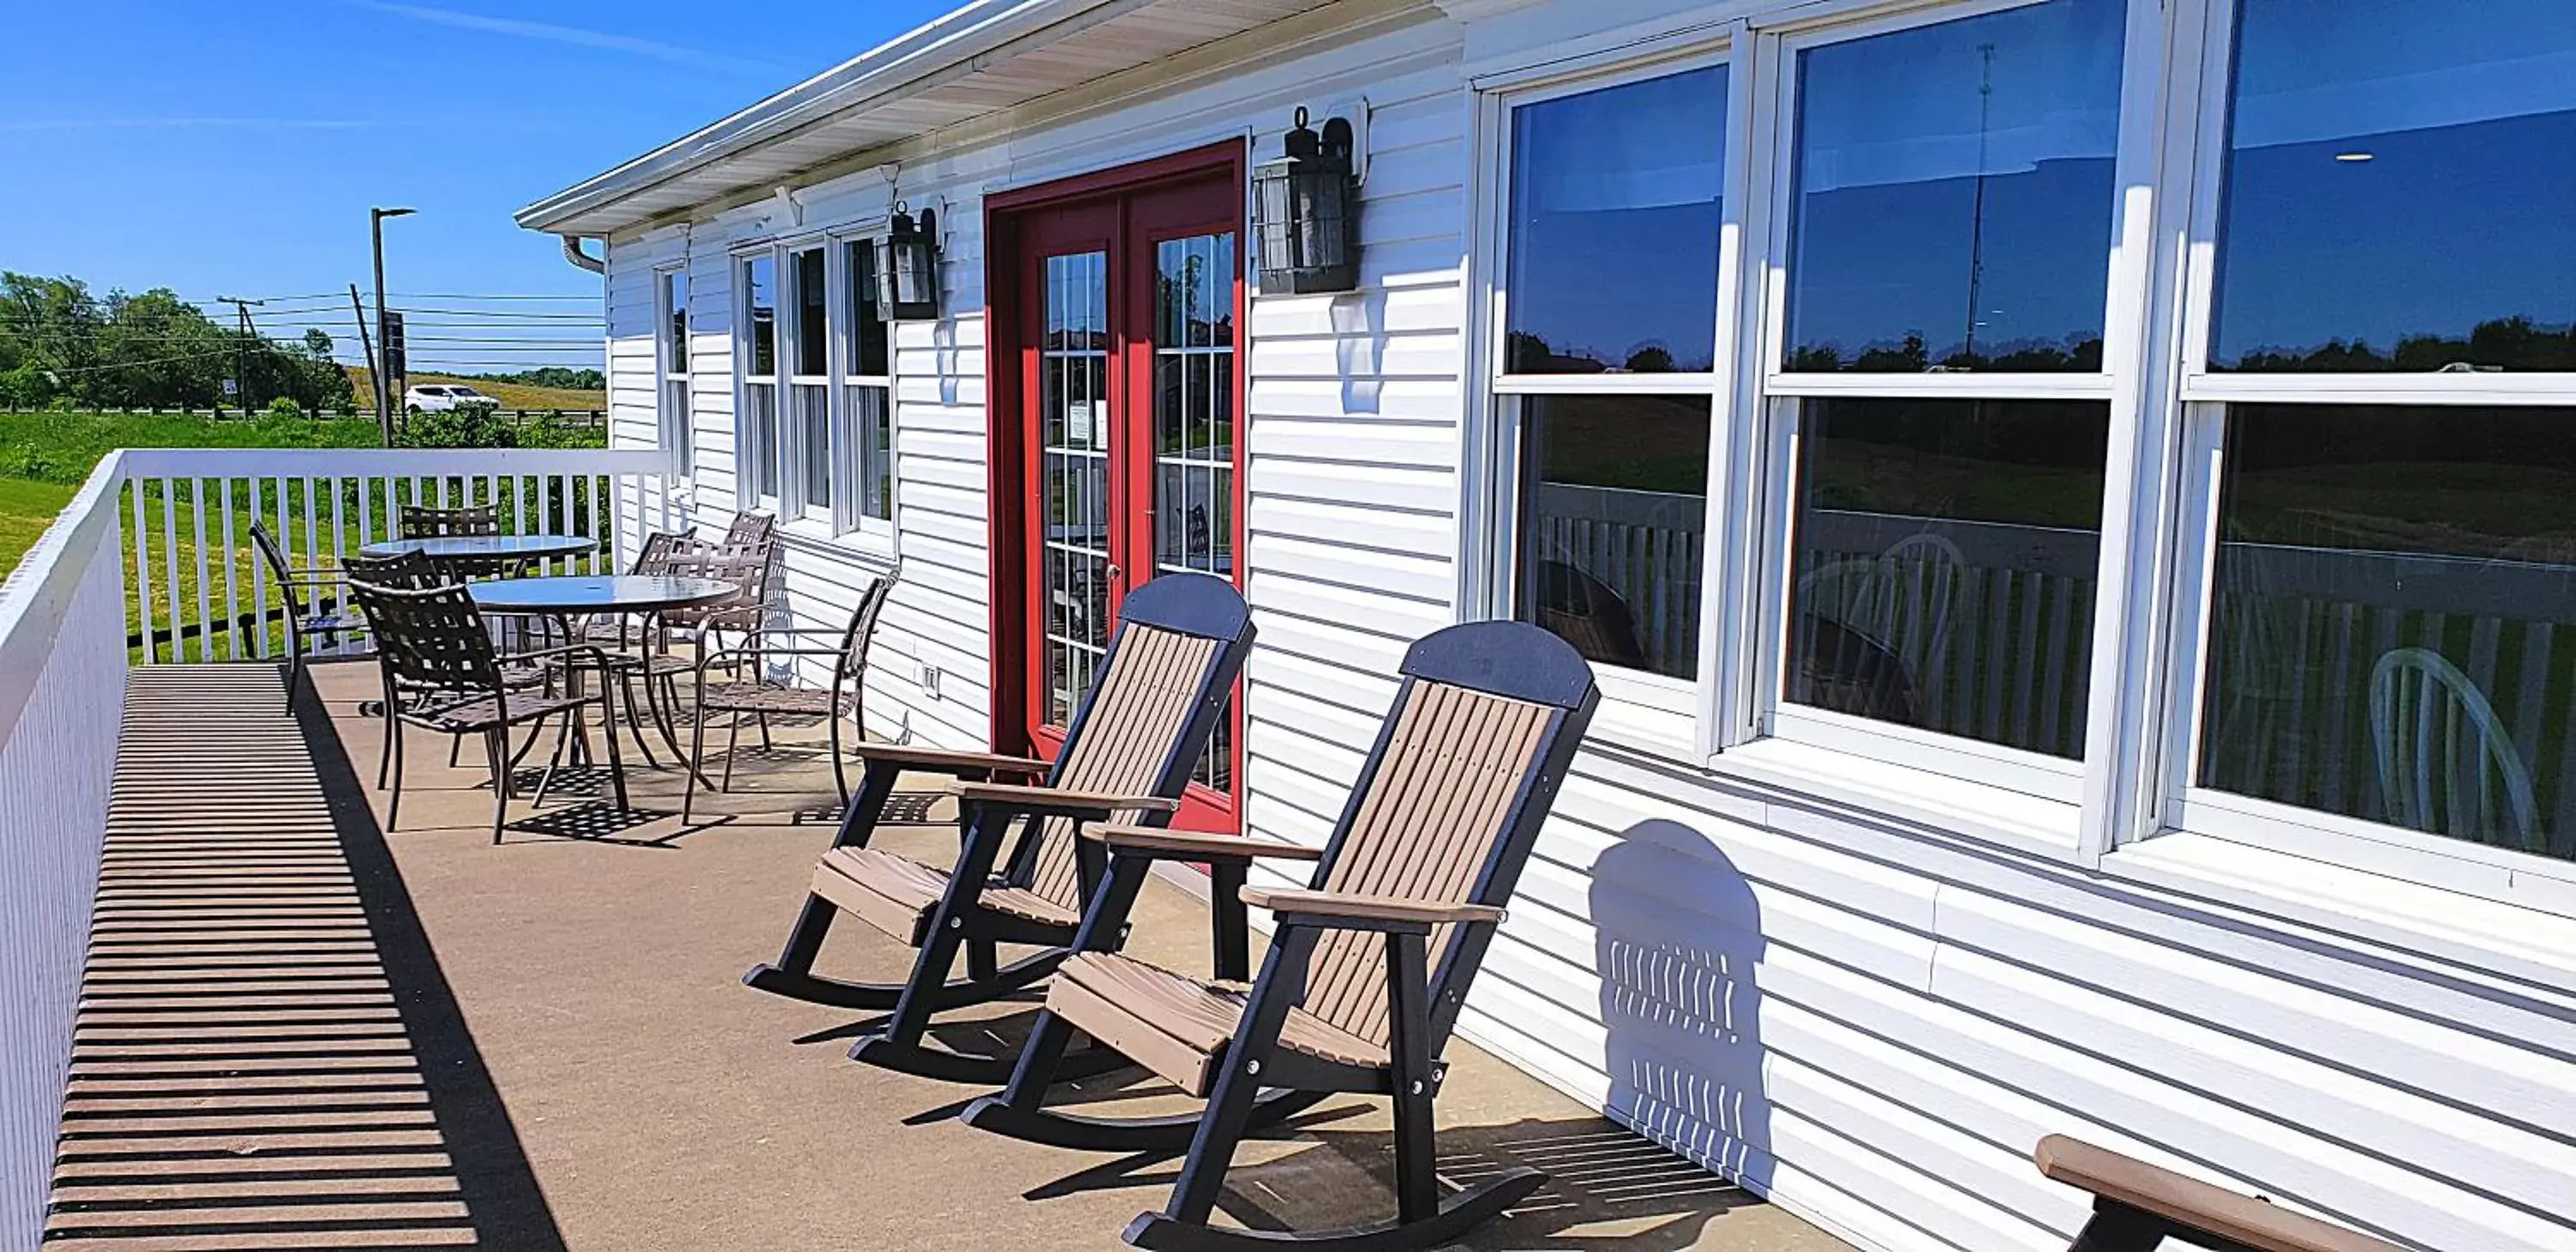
[{"x": 1117, "y": 324}]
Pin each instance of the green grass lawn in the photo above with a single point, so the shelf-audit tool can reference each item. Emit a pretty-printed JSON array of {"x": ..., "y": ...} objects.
[{"x": 26, "y": 508}]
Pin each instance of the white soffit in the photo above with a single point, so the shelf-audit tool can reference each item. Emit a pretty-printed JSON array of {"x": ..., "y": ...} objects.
[{"x": 985, "y": 57}]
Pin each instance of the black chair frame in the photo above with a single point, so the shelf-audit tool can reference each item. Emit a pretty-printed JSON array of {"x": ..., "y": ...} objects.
[
  {"x": 1261, "y": 1082},
  {"x": 1193, "y": 604}
]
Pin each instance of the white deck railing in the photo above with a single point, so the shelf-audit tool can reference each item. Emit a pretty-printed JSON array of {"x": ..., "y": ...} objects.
[{"x": 152, "y": 562}]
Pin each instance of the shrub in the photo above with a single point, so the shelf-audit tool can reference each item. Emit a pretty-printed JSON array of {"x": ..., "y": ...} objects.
[
  {"x": 285, "y": 406},
  {"x": 465, "y": 426}
]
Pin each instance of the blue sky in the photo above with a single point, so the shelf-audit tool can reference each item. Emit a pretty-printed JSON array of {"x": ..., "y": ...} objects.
[{"x": 233, "y": 147}]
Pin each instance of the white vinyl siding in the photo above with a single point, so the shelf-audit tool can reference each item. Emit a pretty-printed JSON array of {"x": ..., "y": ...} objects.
[{"x": 1913, "y": 993}]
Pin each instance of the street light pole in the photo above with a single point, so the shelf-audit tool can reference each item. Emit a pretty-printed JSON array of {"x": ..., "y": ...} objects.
[{"x": 384, "y": 385}]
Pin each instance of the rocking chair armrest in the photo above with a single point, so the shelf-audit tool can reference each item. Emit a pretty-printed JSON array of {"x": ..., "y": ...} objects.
[
  {"x": 2189, "y": 1202},
  {"x": 1056, "y": 801},
  {"x": 1156, "y": 843},
  {"x": 1342, "y": 911},
  {"x": 947, "y": 761}
]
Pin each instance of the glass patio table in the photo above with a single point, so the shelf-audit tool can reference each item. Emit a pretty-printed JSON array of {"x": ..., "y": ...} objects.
[{"x": 562, "y": 598}]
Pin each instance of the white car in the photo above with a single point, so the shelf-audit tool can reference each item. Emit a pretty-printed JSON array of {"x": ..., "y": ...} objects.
[{"x": 442, "y": 397}]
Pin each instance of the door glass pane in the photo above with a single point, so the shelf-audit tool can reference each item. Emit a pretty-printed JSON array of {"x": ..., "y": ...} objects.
[
  {"x": 1614, "y": 229},
  {"x": 1073, "y": 406},
  {"x": 813, "y": 340},
  {"x": 2399, "y": 190},
  {"x": 1944, "y": 565},
  {"x": 760, "y": 314},
  {"x": 1614, "y": 519},
  {"x": 2393, "y": 633},
  {"x": 1194, "y": 430},
  {"x": 1952, "y": 202}
]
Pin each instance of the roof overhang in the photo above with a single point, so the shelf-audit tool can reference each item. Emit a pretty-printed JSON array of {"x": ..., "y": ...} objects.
[{"x": 989, "y": 56}]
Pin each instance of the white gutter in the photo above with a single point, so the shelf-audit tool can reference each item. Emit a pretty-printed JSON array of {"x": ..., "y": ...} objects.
[{"x": 960, "y": 38}]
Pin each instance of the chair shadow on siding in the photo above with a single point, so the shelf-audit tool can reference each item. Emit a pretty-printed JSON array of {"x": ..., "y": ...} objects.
[{"x": 1678, "y": 936}]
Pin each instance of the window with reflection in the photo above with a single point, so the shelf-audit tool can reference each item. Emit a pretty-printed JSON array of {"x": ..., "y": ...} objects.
[
  {"x": 813, "y": 341},
  {"x": 1951, "y": 209},
  {"x": 2393, "y": 626},
  {"x": 867, "y": 392},
  {"x": 757, "y": 444},
  {"x": 1617, "y": 206},
  {"x": 673, "y": 393},
  {"x": 1614, "y": 519},
  {"x": 1943, "y": 565},
  {"x": 2400, "y": 194},
  {"x": 1614, "y": 228}
]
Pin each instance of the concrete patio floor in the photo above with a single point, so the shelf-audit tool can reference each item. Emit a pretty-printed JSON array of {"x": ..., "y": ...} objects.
[{"x": 599, "y": 1079}]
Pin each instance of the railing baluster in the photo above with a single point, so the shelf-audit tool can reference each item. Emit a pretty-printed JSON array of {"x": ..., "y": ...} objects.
[
  {"x": 142, "y": 568},
  {"x": 232, "y": 599},
  {"x": 170, "y": 561},
  {"x": 205, "y": 603}
]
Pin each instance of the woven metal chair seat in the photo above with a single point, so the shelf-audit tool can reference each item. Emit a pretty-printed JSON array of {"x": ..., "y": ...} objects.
[
  {"x": 896, "y": 894},
  {"x": 765, "y": 698},
  {"x": 485, "y": 712},
  {"x": 1179, "y": 1026}
]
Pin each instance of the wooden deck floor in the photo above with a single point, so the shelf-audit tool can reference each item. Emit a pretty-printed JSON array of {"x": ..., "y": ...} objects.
[
  {"x": 301, "y": 1031},
  {"x": 243, "y": 1075}
]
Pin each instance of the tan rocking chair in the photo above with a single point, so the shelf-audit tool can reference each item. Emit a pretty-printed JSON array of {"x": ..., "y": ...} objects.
[
  {"x": 1366, "y": 971},
  {"x": 1020, "y": 877},
  {"x": 2137, "y": 1206}
]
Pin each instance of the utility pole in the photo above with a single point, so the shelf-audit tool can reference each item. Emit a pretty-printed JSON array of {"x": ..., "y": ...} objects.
[
  {"x": 367, "y": 350},
  {"x": 384, "y": 386},
  {"x": 241, "y": 353},
  {"x": 1977, "y": 215}
]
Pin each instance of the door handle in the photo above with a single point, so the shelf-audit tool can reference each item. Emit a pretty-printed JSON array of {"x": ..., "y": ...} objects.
[{"x": 1115, "y": 573}]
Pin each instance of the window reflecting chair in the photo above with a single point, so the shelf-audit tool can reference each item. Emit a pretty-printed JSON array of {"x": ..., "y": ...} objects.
[
  {"x": 2446, "y": 763},
  {"x": 433, "y": 641},
  {"x": 763, "y": 694},
  {"x": 2138, "y": 1206},
  {"x": 1583, "y": 611}
]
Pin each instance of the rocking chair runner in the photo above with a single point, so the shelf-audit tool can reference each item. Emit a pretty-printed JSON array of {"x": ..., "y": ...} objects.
[
  {"x": 1366, "y": 972},
  {"x": 2137, "y": 1206},
  {"x": 1149, "y": 715}
]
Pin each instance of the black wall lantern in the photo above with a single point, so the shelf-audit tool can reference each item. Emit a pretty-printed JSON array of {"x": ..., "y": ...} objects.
[
  {"x": 1307, "y": 210},
  {"x": 910, "y": 275}
]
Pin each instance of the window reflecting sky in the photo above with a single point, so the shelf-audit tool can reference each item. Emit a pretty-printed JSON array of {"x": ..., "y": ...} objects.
[
  {"x": 1954, "y": 193},
  {"x": 1614, "y": 233},
  {"x": 2401, "y": 169}
]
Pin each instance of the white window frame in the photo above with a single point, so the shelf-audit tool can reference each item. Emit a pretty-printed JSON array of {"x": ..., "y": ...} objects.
[
  {"x": 797, "y": 509},
  {"x": 2169, "y": 801},
  {"x": 1765, "y": 711},
  {"x": 747, "y": 495},
  {"x": 852, "y": 457},
  {"x": 674, "y": 425},
  {"x": 1656, "y": 713},
  {"x": 2166, "y": 426}
]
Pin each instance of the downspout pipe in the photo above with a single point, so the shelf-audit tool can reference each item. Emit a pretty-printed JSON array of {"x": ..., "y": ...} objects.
[{"x": 574, "y": 254}]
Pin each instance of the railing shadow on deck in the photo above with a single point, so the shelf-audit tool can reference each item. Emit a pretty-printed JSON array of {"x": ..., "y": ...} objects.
[{"x": 499, "y": 1187}]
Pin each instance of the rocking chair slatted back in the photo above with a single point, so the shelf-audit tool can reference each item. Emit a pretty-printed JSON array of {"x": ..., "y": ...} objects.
[
  {"x": 1448, "y": 807},
  {"x": 420, "y": 521},
  {"x": 431, "y": 638},
  {"x": 1153, "y": 704},
  {"x": 1123, "y": 745}
]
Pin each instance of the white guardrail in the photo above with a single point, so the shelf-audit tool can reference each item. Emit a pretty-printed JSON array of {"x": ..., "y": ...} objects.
[{"x": 151, "y": 563}]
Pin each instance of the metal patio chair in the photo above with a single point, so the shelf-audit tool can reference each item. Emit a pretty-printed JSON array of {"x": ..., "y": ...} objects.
[
  {"x": 761, "y": 694},
  {"x": 2137, "y": 1206},
  {"x": 1366, "y": 970},
  {"x": 421, "y": 521},
  {"x": 748, "y": 527},
  {"x": 433, "y": 641},
  {"x": 1021, "y": 875},
  {"x": 321, "y": 617}
]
